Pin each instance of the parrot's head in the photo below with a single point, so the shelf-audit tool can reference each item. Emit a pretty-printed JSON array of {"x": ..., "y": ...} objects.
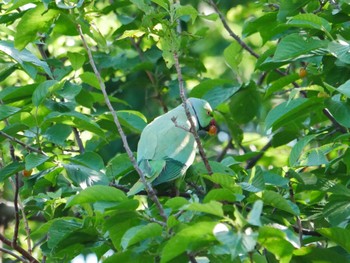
[{"x": 204, "y": 115}]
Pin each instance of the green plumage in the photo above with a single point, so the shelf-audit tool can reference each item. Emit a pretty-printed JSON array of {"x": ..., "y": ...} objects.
[{"x": 166, "y": 147}]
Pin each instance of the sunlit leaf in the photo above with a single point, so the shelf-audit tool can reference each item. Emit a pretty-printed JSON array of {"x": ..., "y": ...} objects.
[
  {"x": 97, "y": 193},
  {"x": 35, "y": 20}
]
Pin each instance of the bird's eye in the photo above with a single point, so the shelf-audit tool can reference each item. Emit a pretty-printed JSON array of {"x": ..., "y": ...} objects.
[{"x": 208, "y": 112}]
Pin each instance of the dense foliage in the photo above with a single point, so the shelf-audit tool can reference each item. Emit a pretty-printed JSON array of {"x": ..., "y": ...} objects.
[{"x": 275, "y": 71}]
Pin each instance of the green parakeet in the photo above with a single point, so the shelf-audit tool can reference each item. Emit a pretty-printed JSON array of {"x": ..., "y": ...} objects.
[{"x": 166, "y": 147}]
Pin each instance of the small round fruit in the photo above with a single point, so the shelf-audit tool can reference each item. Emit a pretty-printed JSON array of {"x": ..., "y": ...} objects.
[
  {"x": 27, "y": 173},
  {"x": 302, "y": 73}
]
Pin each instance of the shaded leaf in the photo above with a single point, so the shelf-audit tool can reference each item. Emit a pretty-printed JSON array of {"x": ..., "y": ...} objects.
[
  {"x": 33, "y": 160},
  {"x": 289, "y": 110},
  {"x": 10, "y": 169},
  {"x": 188, "y": 238},
  {"x": 7, "y": 111},
  {"x": 340, "y": 111},
  {"x": 296, "y": 46},
  {"x": 276, "y": 200},
  {"x": 26, "y": 59}
]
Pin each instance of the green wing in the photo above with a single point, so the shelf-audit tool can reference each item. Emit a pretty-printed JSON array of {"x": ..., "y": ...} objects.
[{"x": 151, "y": 170}]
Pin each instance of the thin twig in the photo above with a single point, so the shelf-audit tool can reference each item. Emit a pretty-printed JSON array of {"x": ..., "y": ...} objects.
[
  {"x": 192, "y": 258},
  {"x": 188, "y": 114},
  {"x": 15, "y": 202},
  {"x": 251, "y": 162},
  {"x": 151, "y": 193},
  {"x": 15, "y": 185},
  {"x": 79, "y": 141},
  {"x": 223, "y": 153},
  {"x": 300, "y": 226},
  {"x": 19, "y": 249},
  {"x": 336, "y": 124},
  {"x": 7, "y": 251},
  {"x": 231, "y": 33},
  {"x": 29, "y": 148}
]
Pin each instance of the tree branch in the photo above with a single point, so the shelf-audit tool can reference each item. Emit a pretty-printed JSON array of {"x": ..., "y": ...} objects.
[
  {"x": 188, "y": 114},
  {"x": 231, "y": 33},
  {"x": 7, "y": 251},
  {"x": 29, "y": 148},
  {"x": 15, "y": 202},
  {"x": 150, "y": 191},
  {"x": 79, "y": 141},
  {"x": 19, "y": 249},
  {"x": 251, "y": 162}
]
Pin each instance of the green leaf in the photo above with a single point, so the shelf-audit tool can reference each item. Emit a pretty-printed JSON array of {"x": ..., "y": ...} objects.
[
  {"x": 319, "y": 254},
  {"x": 129, "y": 256},
  {"x": 219, "y": 195},
  {"x": 60, "y": 229},
  {"x": 295, "y": 46},
  {"x": 140, "y": 233},
  {"x": 276, "y": 200},
  {"x": 58, "y": 133},
  {"x": 345, "y": 89},
  {"x": 289, "y": 8},
  {"x": 338, "y": 235},
  {"x": 340, "y": 111},
  {"x": 7, "y": 111},
  {"x": 97, "y": 193},
  {"x": 310, "y": 21},
  {"x": 253, "y": 217},
  {"x": 274, "y": 240},
  {"x": 33, "y": 160},
  {"x": 254, "y": 182},
  {"x": 239, "y": 101},
  {"x": 34, "y": 20},
  {"x": 340, "y": 49},
  {"x": 281, "y": 83},
  {"x": 89, "y": 159},
  {"x": 206, "y": 85},
  {"x": 84, "y": 176},
  {"x": 275, "y": 179},
  {"x": 119, "y": 166},
  {"x": 91, "y": 79},
  {"x": 289, "y": 110},
  {"x": 42, "y": 91},
  {"x": 162, "y": 3},
  {"x": 26, "y": 59},
  {"x": 70, "y": 5},
  {"x": 222, "y": 179},
  {"x": 77, "y": 60},
  {"x": 75, "y": 119},
  {"x": 298, "y": 148},
  {"x": 186, "y": 10},
  {"x": 213, "y": 208},
  {"x": 69, "y": 90},
  {"x": 135, "y": 33},
  {"x": 189, "y": 238},
  {"x": 176, "y": 203},
  {"x": 10, "y": 169},
  {"x": 233, "y": 55},
  {"x": 337, "y": 211},
  {"x": 133, "y": 120}
]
